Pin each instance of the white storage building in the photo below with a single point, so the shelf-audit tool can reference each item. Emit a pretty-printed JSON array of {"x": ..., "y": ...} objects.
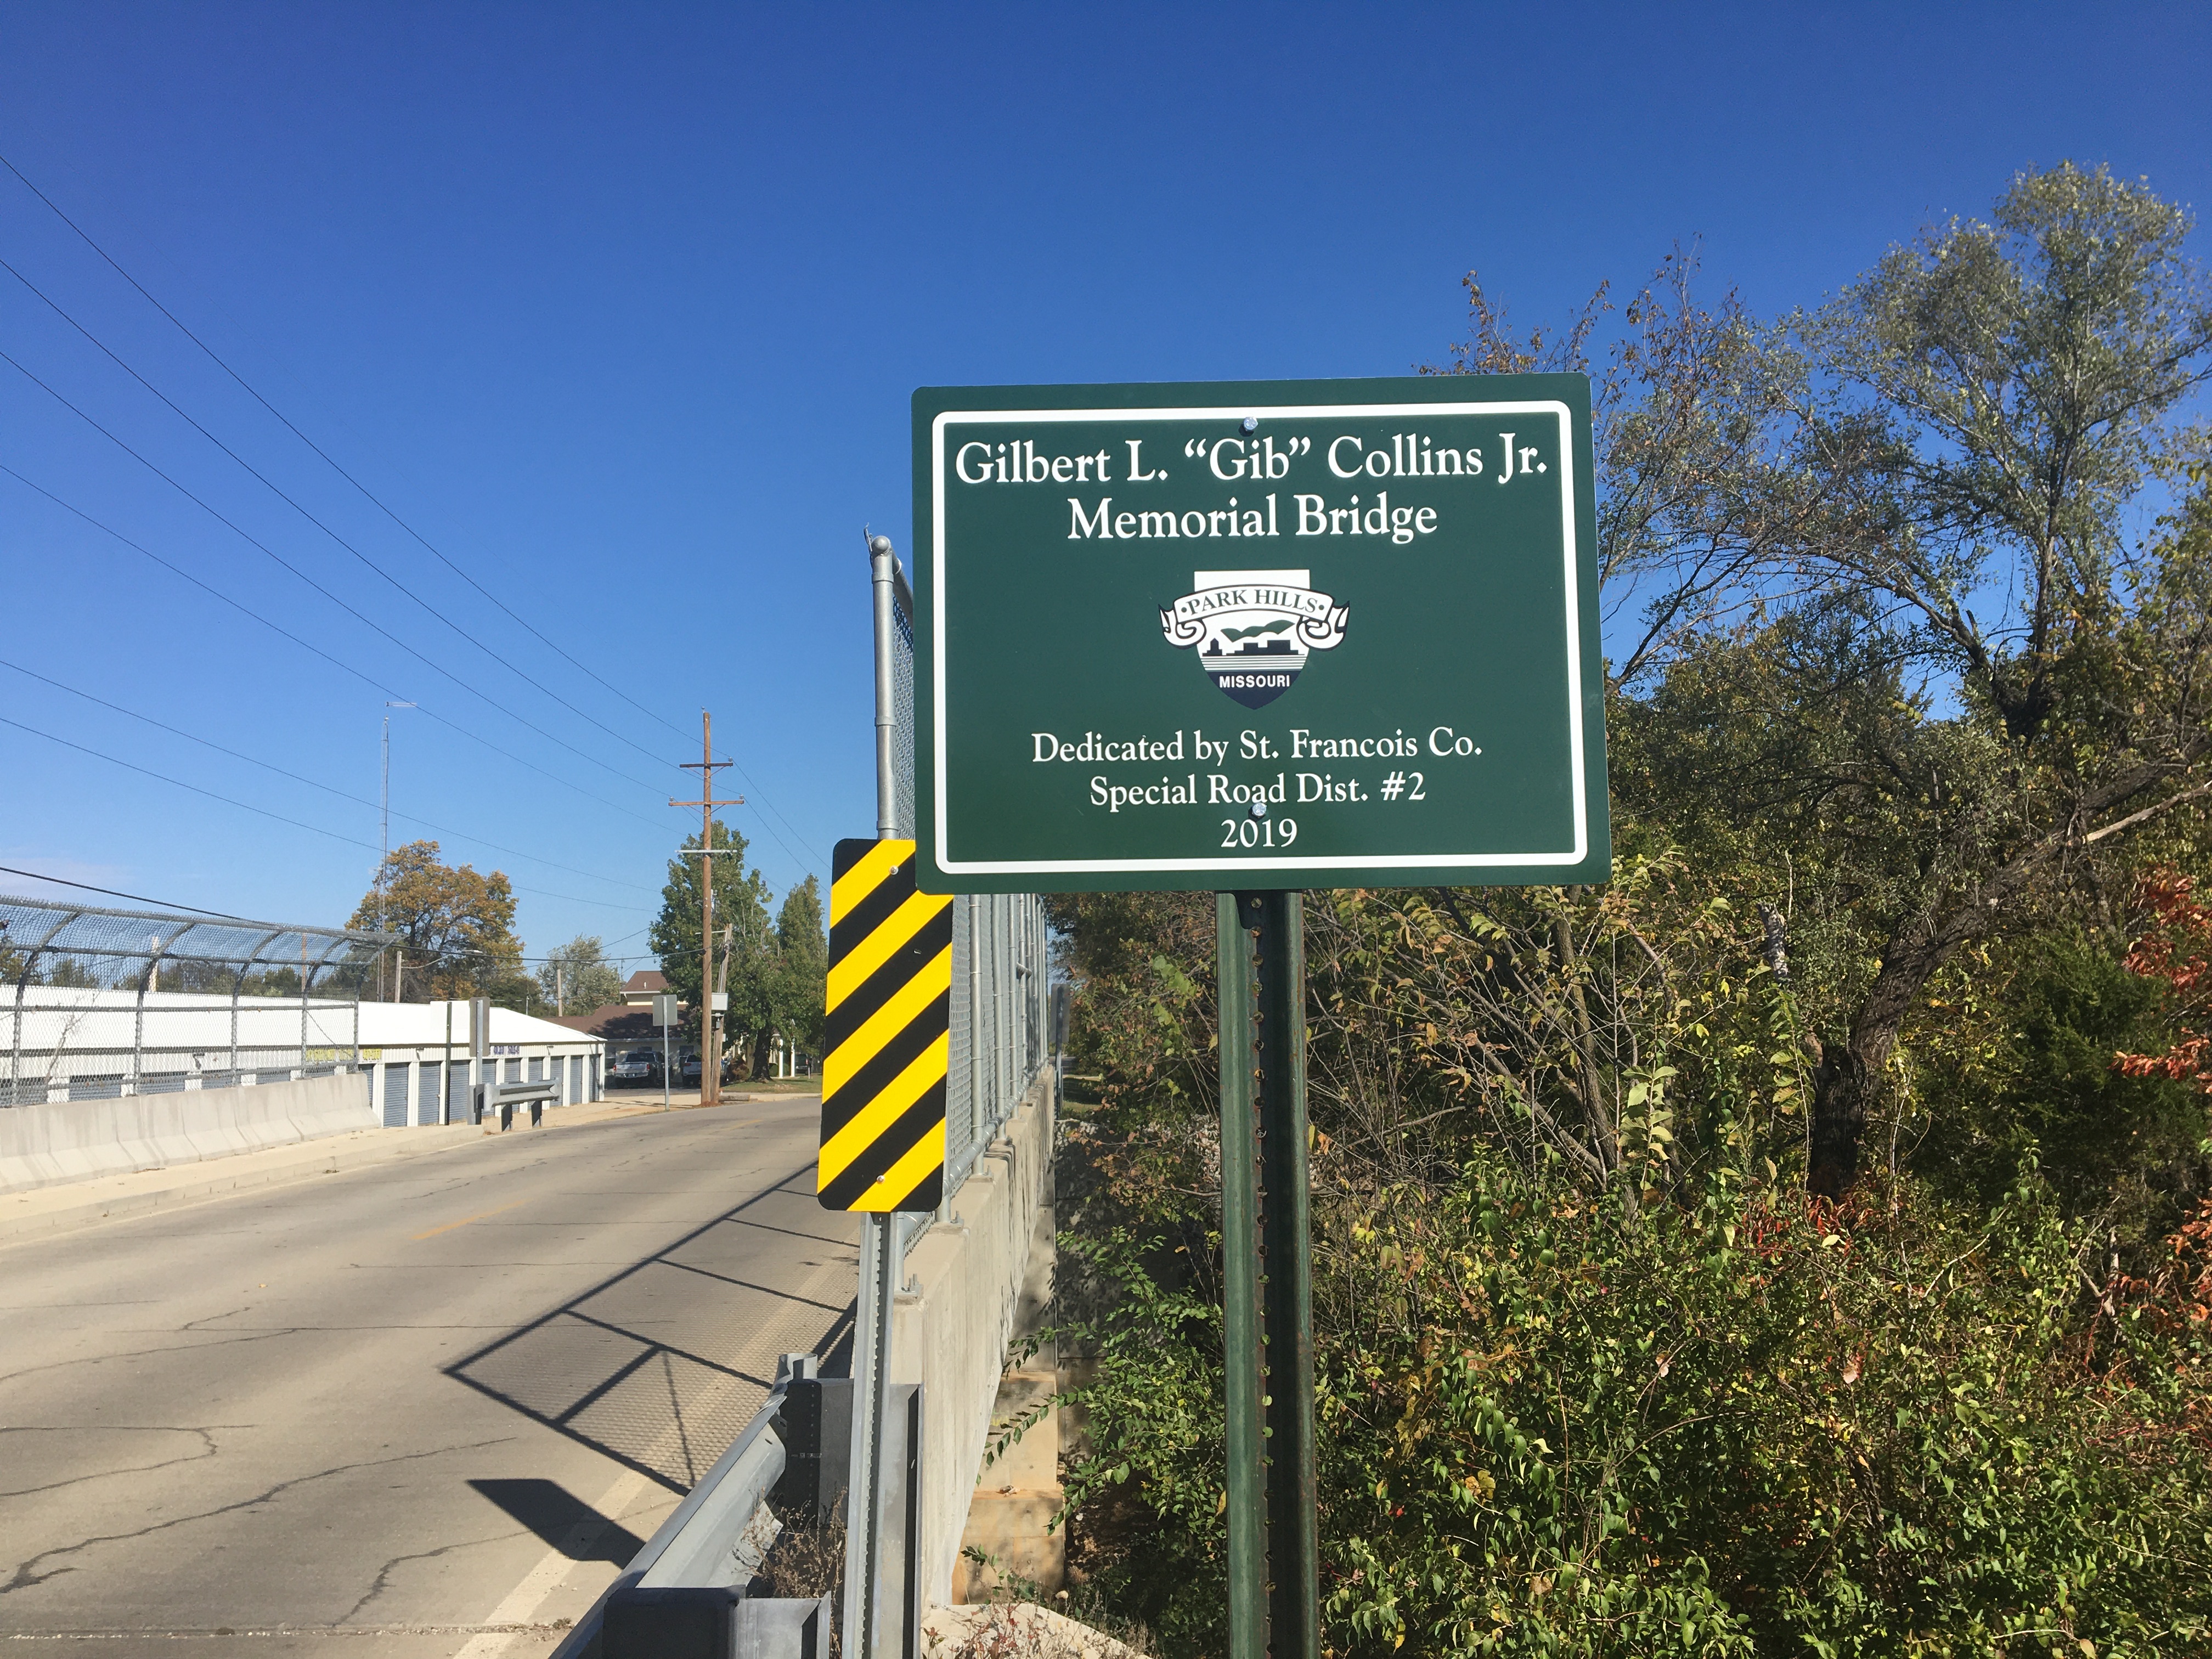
[{"x": 414, "y": 1052}]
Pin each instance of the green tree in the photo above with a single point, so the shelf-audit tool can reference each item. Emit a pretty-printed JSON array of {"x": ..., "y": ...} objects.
[
  {"x": 70, "y": 972},
  {"x": 2020, "y": 1074},
  {"x": 741, "y": 900},
  {"x": 456, "y": 927},
  {"x": 2008, "y": 394},
  {"x": 1693, "y": 410},
  {"x": 1983, "y": 417},
  {"x": 577, "y": 975},
  {"x": 802, "y": 970}
]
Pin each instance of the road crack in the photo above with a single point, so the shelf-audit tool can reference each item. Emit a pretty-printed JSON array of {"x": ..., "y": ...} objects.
[
  {"x": 26, "y": 1575},
  {"x": 382, "y": 1582},
  {"x": 147, "y": 1353},
  {"x": 209, "y": 1449}
]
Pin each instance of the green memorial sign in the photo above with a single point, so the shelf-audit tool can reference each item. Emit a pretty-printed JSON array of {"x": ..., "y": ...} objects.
[{"x": 1258, "y": 634}]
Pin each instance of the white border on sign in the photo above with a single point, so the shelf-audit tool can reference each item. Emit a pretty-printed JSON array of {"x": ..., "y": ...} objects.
[{"x": 1341, "y": 861}]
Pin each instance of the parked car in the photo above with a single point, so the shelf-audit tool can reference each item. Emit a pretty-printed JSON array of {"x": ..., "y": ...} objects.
[
  {"x": 688, "y": 1066},
  {"x": 634, "y": 1065}
]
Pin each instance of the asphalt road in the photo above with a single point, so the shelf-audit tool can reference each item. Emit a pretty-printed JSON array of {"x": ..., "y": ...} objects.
[{"x": 423, "y": 1409}]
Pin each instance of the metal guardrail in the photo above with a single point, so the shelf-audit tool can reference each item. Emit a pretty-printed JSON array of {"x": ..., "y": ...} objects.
[
  {"x": 502, "y": 1098},
  {"x": 687, "y": 1594}
]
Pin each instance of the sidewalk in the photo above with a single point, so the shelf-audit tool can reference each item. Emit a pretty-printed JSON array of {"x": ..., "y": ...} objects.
[{"x": 62, "y": 1208}]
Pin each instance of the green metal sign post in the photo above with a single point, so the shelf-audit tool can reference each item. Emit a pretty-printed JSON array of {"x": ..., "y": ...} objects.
[
  {"x": 1274, "y": 1553},
  {"x": 1255, "y": 637}
]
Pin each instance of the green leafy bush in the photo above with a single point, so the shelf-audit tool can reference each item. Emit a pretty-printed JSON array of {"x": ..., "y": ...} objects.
[{"x": 1764, "y": 1424}]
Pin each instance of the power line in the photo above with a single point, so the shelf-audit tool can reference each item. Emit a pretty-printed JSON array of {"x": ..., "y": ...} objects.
[
  {"x": 213, "y": 357},
  {"x": 763, "y": 816},
  {"x": 263, "y": 812},
  {"x": 765, "y": 824},
  {"x": 281, "y": 495},
  {"x": 136, "y": 898},
  {"x": 305, "y": 645},
  {"x": 252, "y": 392},
  {"x": 357, "y": 615},
  {"x": 770, "y": 828},
  {"x": 283, "y": 772}
]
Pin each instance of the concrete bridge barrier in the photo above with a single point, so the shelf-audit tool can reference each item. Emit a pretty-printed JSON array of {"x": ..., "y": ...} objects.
[
  {"x": 44, "y": 1143},
  {"x": 970, "y": 1283}
]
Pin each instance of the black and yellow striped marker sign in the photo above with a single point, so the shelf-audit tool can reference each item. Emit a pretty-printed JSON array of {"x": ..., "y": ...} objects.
[{"x": 889, "y": 1006}]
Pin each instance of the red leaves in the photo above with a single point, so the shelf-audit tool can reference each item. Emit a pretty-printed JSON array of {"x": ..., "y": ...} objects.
[
  {"x": 2180, "y": 923},
  {"x": 2178, "y": 1293},
  {"x": 2176, "y": 947}
]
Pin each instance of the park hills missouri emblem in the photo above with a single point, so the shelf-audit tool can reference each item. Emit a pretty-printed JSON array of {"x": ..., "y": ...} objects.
[{"x": 1254, "y": 628}]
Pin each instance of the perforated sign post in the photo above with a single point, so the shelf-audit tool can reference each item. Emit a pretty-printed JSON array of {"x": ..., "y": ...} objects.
[
  {"x": 1255, "y": 637},
  {"x": 665, "y": 1015}
]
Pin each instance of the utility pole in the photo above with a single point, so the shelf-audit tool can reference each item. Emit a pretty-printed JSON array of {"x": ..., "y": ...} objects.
[{"x": 710, "y": 1029}]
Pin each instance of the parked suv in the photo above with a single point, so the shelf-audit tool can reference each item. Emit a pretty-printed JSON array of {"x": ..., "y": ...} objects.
[
  {"x": 634, "y": 1065},
  {"x": 688, "y": 1066}
]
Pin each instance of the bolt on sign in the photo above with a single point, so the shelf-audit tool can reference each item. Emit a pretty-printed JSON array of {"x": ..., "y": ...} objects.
[{"x": 1258, "y": 634}]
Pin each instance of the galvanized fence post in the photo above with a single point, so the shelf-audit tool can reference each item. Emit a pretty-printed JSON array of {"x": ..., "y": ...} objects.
[
  {"x": 865, "y": 1614},
  {"x": 400, "y": 996},
  {"x": 993, "y": 1050}
]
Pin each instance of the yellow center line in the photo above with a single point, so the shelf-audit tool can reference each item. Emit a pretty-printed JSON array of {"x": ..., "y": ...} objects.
[{"x": 464, "y": 1220}]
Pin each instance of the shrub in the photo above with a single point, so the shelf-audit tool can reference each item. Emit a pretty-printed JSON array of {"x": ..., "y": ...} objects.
[{"x": 1758, "y": 1422}]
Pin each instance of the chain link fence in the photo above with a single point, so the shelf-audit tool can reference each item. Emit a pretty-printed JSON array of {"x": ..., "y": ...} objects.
[
  {"x": 999, "y": 991},
  {"x": 1001, "y": 981},
  {"x": 98, "y": 1003}
]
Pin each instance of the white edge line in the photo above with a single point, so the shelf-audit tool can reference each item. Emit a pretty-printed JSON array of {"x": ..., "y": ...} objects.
[
  {"x": 520, "y": 1605},
  {"x": 1287, "y": 412}
]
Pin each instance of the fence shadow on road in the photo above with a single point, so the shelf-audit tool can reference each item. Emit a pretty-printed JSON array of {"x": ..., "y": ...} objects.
[{"x": 659, "y": 1367}]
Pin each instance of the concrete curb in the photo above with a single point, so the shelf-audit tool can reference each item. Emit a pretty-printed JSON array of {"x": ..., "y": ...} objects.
[{"x": 951, "y": 1329}]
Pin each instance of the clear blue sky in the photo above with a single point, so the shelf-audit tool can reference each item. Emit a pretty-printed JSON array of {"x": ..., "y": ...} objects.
[{"x": 621, "y": 306}]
